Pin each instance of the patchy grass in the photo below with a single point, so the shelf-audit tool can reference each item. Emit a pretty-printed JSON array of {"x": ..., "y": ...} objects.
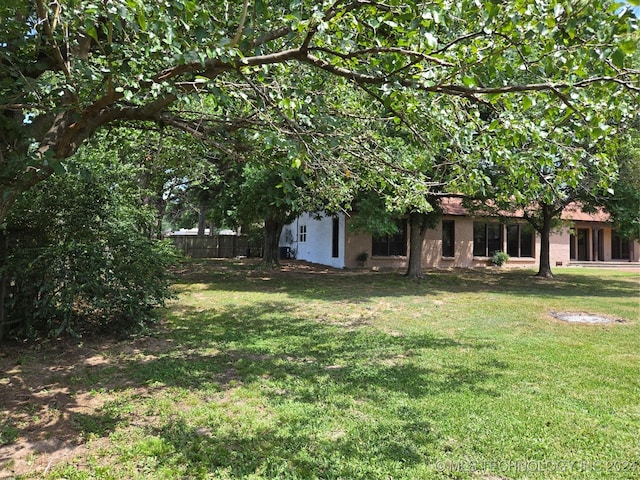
[{"x": 311, "y": 373}]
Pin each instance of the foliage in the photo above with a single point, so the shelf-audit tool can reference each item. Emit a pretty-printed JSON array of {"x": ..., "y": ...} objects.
[
  {"x": 79, "y": 257},
  {"x": 372, "y": 216},
  {"x": 362, "y": 257},
  {"x": 8, "y": 433},
  {"x": 499, "y": 258},
  {"x": 334, "y": 88},
  {"x": 540, "y": 181},
  {"x": 624, "y": 203},
  {"x": 483, "y": 74}
]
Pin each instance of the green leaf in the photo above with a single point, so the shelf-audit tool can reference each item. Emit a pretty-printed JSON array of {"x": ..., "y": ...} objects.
[
  {"x": 92, "y": 32},
  {"x": 142, "y": 19},
  {"x": 628, "y": 46},
  {"x": 469, "y": 81},
  {"x": 432, "y": 41},
  {"x": 618, "y": 58}
]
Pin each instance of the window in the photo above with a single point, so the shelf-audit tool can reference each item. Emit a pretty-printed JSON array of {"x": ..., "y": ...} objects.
[
  {"x": 520, "y": 240},
  {"x": 335, "y": 238},
  {"x": 487, "y": 238},
  {"x": 448, "y": 238},
  {"x": 302, "y": 233},
  {"x": 619, "y": 247},
  {"x": 389, "y": 245}
]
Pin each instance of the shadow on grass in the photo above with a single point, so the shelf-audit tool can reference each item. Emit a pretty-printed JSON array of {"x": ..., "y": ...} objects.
[
  {"x": 312, "y": 364},
  {"x": 293, "y": 453},
  {"x": 266, "y": 341},
  {"x": 309, "y": 367},
  {"x": 360, "y": 286},
  {"x": 264, "y": 348}
]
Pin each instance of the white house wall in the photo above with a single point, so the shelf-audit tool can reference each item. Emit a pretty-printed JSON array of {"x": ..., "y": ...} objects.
[{"x": 317, "y": 247}]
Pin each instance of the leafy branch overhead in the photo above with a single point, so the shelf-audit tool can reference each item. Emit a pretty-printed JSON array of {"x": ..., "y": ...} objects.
[
  {"x": 466, "y": 67},
  {"x": 129, "y": 55}
]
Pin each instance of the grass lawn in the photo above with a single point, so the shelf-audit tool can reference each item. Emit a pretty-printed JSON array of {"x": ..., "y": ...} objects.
[{"x": 322, "y": 374}]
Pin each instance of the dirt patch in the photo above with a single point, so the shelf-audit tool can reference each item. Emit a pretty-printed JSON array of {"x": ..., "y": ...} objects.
[
  {"x": 586, "y": 318},
  {"x": 43, "y": 405}
]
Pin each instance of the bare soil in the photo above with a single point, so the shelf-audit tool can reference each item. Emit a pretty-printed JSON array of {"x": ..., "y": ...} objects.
[
  {"x": 585, "y": 318},
  {"x": 41, "y": 403}
]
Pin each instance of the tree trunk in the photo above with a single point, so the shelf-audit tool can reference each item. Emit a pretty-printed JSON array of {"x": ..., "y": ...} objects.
[
  {"x": 3, "y": 283},
  {"x": 161, "y": 208},
  {"x": 545, "y": 233},
  {"x": 417, "y": 233},
  {"x": 272, "y": 230},
  {"x": 202, "y": 218}
]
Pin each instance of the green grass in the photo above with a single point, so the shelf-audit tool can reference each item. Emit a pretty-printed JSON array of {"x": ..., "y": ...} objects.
[{"x": 270, "y": 375}]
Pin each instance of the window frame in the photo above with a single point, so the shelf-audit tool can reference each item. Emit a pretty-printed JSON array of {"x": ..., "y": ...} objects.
[
  {"x": 448, "y": 248},
  {"x": 489, "y": 243},
  {"x": 522, "y": 230},
  {"x": 620, "y": 247},
  {"x": 391, "y": 242},
  {"x": 335, "y": 237}
]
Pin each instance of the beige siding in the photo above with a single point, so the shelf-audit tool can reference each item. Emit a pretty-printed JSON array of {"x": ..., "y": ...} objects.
[
  {"x": 357, "y": 243},
  {"x": 559, "y": 250}
]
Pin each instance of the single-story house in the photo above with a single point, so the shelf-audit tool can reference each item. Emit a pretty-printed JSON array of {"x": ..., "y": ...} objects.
[{"x": 461, "y": 239}]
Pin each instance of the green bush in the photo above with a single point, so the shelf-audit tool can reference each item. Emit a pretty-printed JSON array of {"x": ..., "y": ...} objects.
[
  {"x": 77, "y": 258},
  {"x": 362, "y": 257},
  {"x": 499, "y": 258}
]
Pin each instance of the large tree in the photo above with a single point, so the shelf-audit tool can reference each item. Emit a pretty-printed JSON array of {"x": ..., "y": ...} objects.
[
  {"x": 72, "y": 68},
  {"x": 539, "y": 177},
  {"x": 479, "y": 71}
]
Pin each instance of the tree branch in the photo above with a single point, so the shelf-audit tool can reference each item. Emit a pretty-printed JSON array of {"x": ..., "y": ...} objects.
[
  {"x": 243, "y": 18},
  {"x": 43, "y": 17},
  {"x": 378, "y": 50}
]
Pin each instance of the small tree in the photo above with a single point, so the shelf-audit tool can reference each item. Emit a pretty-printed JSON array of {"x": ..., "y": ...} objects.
[
  {"x": 623, "y": 201},
  {"x": 272, "y": 195},
  {"x": 80, "y": 244}
]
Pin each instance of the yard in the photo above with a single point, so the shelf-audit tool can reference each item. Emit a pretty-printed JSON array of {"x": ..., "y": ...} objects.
[{"x": 313, "y": 373}]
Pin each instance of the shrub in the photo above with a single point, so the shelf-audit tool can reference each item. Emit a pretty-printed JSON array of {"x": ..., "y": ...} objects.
[
  {"x": 362, "y": 257},
  {"x": 499, "y": 258},
  {"x": 77, "y": 258}
]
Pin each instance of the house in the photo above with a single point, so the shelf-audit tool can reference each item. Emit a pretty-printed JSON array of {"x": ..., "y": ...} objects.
[{"x": 461, "y": 240}]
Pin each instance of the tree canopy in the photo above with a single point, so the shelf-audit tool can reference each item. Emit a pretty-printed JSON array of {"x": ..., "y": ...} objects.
[
  {"x": 467, "y": 67},
  {"x": 623, "y": 202}
]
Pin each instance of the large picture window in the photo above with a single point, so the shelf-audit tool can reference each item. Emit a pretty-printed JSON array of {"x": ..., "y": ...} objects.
[
  {"x": 520, "y": 240},
  {"x": 487, "y": 238},
  {"x": 448, "y": 238},
  {"x": 389, "y": 245},
  {"x": 620, "y": 247}
]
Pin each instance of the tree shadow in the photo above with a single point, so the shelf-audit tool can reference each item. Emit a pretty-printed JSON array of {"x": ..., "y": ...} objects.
[
  {"x": 328, "y": 284},
  {"x": 302, "y": 362},
  {"x": 294, "y": 453},
  {"x": 289, "y": 358}
]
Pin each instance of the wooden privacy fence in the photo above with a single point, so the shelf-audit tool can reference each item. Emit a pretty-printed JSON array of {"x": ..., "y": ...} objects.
[{"x": 216, "y": 246}]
